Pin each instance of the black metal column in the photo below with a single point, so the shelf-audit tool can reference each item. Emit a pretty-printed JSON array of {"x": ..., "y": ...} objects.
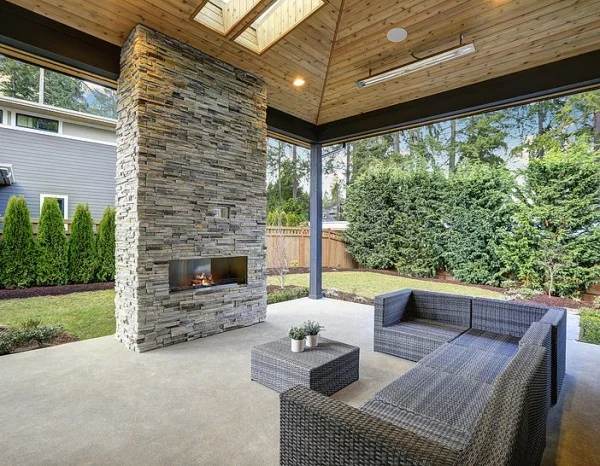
[{"x": 316, "y": 220}]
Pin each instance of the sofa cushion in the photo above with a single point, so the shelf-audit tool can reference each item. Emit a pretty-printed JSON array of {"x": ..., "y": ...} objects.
[
  {"x": 414, "y": 338},
  {"x": 445, "y": 308},
  {"x": 428, "y": 329},
  {"x": 467, "y": 362},
  {"x": 427, "y": 427},
  {"x": 452, "y": 400},
  {"x": 488, "y": 341},
  {"x": 506, "y": 317}
]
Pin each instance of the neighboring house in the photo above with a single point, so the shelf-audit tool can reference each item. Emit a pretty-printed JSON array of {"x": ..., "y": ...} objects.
[{"x": 50, "y": 152}]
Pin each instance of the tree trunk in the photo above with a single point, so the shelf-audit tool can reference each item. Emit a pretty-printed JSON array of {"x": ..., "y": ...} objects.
[
  {"x": 540, "y": 123},
  {"x": 348, "y": 162},
  {"x": 452, "y": 160},
  {"x": 279, "y": 151},
  {"x": 294, "y": 173},
  {"x": 597, "y": 129},
  {"x": 396, "y": 141}
]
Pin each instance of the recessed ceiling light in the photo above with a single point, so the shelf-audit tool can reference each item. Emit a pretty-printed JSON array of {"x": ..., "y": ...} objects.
[
  {"x": 299, "y": 82},
  {"x": 397, "y": 34}
]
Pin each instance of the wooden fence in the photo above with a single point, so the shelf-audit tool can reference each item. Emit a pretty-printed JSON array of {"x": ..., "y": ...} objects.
[
  {"x": 36, "y": 224},
  {"x": 294, "y": 243}
]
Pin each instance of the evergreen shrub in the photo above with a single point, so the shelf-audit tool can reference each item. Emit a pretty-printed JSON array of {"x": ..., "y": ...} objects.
[
  {"x": 81, "y": 255},
  {"x": 17, "y": 254},
  {"x": 105, "y": 246},
  {"x": 51, "y": 246}
]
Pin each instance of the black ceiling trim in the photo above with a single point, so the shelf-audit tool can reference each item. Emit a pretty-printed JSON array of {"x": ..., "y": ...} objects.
[
  {"x": 22, "y": 29},
  {"x": 290, "y": 126},
  {"x": 564, "y": 76}
]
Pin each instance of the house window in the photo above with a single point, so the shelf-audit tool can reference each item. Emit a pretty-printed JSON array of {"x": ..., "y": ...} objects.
[
  {"x": 1, "y": 116},
  {"x": 63, "y": 202},
  {"x": 33, "y": 122}
]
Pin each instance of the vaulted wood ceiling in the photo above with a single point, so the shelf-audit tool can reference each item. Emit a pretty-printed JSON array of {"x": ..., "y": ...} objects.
[{"x": 343, "y": 40}]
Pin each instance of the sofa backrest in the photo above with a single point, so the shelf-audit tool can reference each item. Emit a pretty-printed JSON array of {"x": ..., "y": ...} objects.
[
  {"x": 446, "y": 308},
  {"x": 512, "y": 428},
  {"x": 506, "y": 317}
]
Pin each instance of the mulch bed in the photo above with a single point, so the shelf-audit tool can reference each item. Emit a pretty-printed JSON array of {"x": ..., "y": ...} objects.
[
  {"x": 555, "y": 301},
  {"x": 54, "y": 290}
]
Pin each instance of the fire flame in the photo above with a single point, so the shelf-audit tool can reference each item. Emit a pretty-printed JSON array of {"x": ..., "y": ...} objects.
[{"x": 202, "y": 279}]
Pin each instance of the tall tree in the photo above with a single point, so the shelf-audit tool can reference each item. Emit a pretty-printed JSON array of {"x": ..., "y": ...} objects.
[
  {"x": 483, "y": 138},
  {"x": 554, "y": 241},
  {"x": 64, "y": 91},
  {"x": 18, "y": 79}
]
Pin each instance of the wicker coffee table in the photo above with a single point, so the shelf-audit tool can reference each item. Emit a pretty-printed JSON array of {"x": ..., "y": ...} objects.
[{"x": 326, "y": 369}]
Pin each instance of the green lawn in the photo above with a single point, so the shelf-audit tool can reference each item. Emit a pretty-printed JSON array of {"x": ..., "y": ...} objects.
[
  {"x": 370, "y": 284},
  {"x": 92, "y": 314},
  {"x": 85, "y": 315}
]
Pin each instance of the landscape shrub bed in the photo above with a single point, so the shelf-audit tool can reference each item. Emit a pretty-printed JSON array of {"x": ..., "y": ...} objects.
[
  {"x": 286, "y": 294},
  {"x": 538, "y": 226},
  {"x": 30, "y": 332},
  {"x": 590, "y": 326},
  {"x": 53, "y": 259}
]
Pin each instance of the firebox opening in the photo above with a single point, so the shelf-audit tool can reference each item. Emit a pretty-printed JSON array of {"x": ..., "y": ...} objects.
[{"x": 207, "y": 273}]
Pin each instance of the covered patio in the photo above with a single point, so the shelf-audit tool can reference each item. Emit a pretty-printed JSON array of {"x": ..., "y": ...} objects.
[
  {"x": 201, "y": 85},
  {"x": 94, "y": 402}
]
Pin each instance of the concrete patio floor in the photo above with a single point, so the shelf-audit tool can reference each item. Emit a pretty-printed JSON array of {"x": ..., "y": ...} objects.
[{"x": 94, "y": 402}]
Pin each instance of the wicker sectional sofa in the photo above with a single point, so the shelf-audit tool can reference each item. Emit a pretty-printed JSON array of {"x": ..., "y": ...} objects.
[{"x": 487, "y": 373}]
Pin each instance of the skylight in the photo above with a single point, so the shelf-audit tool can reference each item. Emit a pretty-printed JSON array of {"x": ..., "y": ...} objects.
[{"x": 256, "y": 24}]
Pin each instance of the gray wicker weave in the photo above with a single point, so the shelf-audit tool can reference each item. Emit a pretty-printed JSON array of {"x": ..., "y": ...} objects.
[
  {"x": 479, "y": 395},
  {"x": 326, "y": 369},
  {"x": 558, "y": 319},
  {"x": 509, "y": 429},
  {"x": 411, "y": 324}
]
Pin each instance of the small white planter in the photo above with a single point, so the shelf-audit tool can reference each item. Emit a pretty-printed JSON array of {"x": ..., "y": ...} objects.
[
  {"x": 312, "y": 341},
  {"x": 297, "y": 346}
]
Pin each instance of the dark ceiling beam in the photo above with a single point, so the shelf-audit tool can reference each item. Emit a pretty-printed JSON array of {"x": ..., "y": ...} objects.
[
  {"x": 24, "y": 30},
  {"x": 566, "y": 76},
  {"x": 290, "y": 127}
]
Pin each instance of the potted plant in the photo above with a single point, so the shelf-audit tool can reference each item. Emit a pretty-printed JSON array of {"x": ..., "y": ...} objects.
[
  {"x": 312, "y": 330},
  {"x": 297, "y": 335}
]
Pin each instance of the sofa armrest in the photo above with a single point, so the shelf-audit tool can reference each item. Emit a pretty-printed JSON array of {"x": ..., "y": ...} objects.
[
  {"x": 316, "y": 429},
  {"x": 557, "y": 318},
  {"x": 391, "y": 307}
]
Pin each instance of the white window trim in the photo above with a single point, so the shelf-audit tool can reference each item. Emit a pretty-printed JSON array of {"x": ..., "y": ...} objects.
[
  {"x": 36, "y": 115},
  {"x": 56, "y": 196}
]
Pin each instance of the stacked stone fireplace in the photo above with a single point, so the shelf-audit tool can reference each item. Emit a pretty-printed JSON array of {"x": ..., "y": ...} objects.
[{"x": 191, "y": 169}]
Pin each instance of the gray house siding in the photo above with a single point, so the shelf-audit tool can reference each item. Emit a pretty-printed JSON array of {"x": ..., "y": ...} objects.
[{"x": 48, "y": 164}]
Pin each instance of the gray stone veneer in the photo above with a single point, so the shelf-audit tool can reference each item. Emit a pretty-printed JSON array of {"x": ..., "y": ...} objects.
[{"x": 191, "y": 136}]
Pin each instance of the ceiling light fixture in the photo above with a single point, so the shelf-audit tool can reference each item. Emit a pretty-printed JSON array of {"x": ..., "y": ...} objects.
[
  {"x": 420, "y": 64},
  {"x": 299, "y": 82},
  {"x": 397, "y": 35}
]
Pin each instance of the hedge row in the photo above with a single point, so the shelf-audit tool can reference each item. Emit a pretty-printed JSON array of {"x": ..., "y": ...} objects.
[
  {"x": 538, "y": 227},
  {"x": 53, "y": 259}
]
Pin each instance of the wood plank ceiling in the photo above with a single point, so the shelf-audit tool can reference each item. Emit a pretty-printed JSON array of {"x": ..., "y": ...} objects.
[{"x": 343, "y": 40}]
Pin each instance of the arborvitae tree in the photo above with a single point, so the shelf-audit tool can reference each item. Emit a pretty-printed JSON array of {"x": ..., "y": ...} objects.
[
  {"x": 52, "y": 246},
  {"x": 82, "y": 257},
  {"x": 478, "y": 209},
  {"x": 105, "y": 246},
  {"x": 554, "y": 242},
  {"x": 395, "y": 220},
  {"x": 370, "y": 210},
  {"x": 18, "y": 249}
]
